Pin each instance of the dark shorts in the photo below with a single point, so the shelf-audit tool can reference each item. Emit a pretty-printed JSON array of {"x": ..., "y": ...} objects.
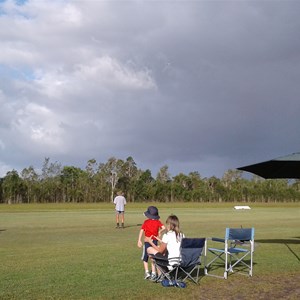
[
  {"x": 118, "y": 212},
  {"x": 145, "y": 255}
]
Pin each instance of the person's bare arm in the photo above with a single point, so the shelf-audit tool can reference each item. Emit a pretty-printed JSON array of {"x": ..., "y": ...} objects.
[
  {"x": 161, "y": 230},
  {"x": 161, "y": 248},
  {"x": 139, "y": 243}
]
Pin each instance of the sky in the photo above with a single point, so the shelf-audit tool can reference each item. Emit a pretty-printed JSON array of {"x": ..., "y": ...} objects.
[{"x": 199, "y": 86}]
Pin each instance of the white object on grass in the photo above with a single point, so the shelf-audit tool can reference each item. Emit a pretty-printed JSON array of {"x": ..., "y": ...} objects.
[{"x": 242, "y": 207}]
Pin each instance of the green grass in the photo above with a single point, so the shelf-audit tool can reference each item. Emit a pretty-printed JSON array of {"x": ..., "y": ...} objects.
[{"x": 73, "y": 251}]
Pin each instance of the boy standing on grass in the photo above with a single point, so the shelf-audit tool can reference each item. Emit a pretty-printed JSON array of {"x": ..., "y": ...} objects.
[
  {"x": 151, "y": 228},
  {"x": 120, "y": 203}
]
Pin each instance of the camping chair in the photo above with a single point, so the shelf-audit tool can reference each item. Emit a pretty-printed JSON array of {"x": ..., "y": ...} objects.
[
  {"x": 190, "y": 251},
  {"x": 183, "y": 267},
  {"x": 236, "y": 253}
]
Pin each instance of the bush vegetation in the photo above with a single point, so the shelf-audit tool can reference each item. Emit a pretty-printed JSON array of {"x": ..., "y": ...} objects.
[{"x": 98, "y": 182}]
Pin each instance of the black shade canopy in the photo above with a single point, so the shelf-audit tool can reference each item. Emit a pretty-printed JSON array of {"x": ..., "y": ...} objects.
[{"x": 282, "y": 167}]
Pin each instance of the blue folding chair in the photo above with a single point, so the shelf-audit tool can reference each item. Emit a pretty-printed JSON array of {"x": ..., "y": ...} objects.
[
  {"x": 236, "y": 253},
  {"x": 187, "y": 266},
  {"x": 191, "y": 251}
]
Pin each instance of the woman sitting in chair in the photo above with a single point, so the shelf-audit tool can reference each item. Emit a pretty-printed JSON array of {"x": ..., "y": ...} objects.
[{"x": 169, "y": 244}]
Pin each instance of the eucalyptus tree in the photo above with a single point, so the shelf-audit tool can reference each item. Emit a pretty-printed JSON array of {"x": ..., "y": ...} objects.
[
  {"x": 215, "y": 188},
  {"x": 73, "y": 185},
  {"x": 91, "y": 167},
  {"x": 188, "y": 187},
  {"x": 30, "y": 179},
  {"x": 12, "y": 187},
  {"x": 195, "y": 179},
  {"x": 50, "y": 181},
  {"x": 92, "y": 183},
  {"x": 181, "y": 187},
  {"x": 143, "y": 186},
  {"x": 230, "y": 177},
  {"x": 296, "y": 184},
  {"x": 255, "y": 190},
  {"x": 199, "y": 187},
  {"x": 112, "y": 171},
  {"x": 163, "y": 174},
  {"x": 101, "y": 184},
  {"x": 231, "y": 180},
  {"x": 50, "y": 169},
  {"x": 129, "y": 173},
  {"x": 295, "y": 189},
  {"x": 279, "y": 189},
  {"x": 163, "y": 185}
]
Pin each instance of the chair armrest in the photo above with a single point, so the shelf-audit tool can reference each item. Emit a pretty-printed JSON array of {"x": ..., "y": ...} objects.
[
  {"x": 159, "y": 258},
  {"x": 218, "y": 240}
]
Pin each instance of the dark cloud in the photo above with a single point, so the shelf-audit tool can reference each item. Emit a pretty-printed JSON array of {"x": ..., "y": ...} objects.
[{"x": 201, "y": 86}]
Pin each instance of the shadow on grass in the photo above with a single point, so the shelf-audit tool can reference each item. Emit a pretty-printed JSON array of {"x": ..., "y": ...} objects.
[
  {"x": 279, "y": 241},
  {"x": 285, "y": 242},
  {"x": 137, "y": 225}
]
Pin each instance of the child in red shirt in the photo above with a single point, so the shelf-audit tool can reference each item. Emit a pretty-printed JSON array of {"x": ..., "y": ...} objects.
[{"x": 151, "y": 227}]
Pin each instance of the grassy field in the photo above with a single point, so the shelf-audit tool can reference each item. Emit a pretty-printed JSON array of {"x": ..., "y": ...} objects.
[{"x": 59, "y": 251}]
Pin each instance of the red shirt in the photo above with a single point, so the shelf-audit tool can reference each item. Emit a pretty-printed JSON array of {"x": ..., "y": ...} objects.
[{"x": 151, "y": 227}]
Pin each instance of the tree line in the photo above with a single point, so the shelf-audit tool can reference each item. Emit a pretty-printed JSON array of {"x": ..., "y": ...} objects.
[{"x": 98, "y": 182}]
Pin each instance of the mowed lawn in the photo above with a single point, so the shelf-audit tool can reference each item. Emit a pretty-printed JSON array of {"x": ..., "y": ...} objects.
[{"x": 73, "y": 251}]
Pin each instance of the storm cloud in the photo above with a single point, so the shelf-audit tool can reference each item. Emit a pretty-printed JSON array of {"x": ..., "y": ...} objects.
[{"x": 201, "y": 86}]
